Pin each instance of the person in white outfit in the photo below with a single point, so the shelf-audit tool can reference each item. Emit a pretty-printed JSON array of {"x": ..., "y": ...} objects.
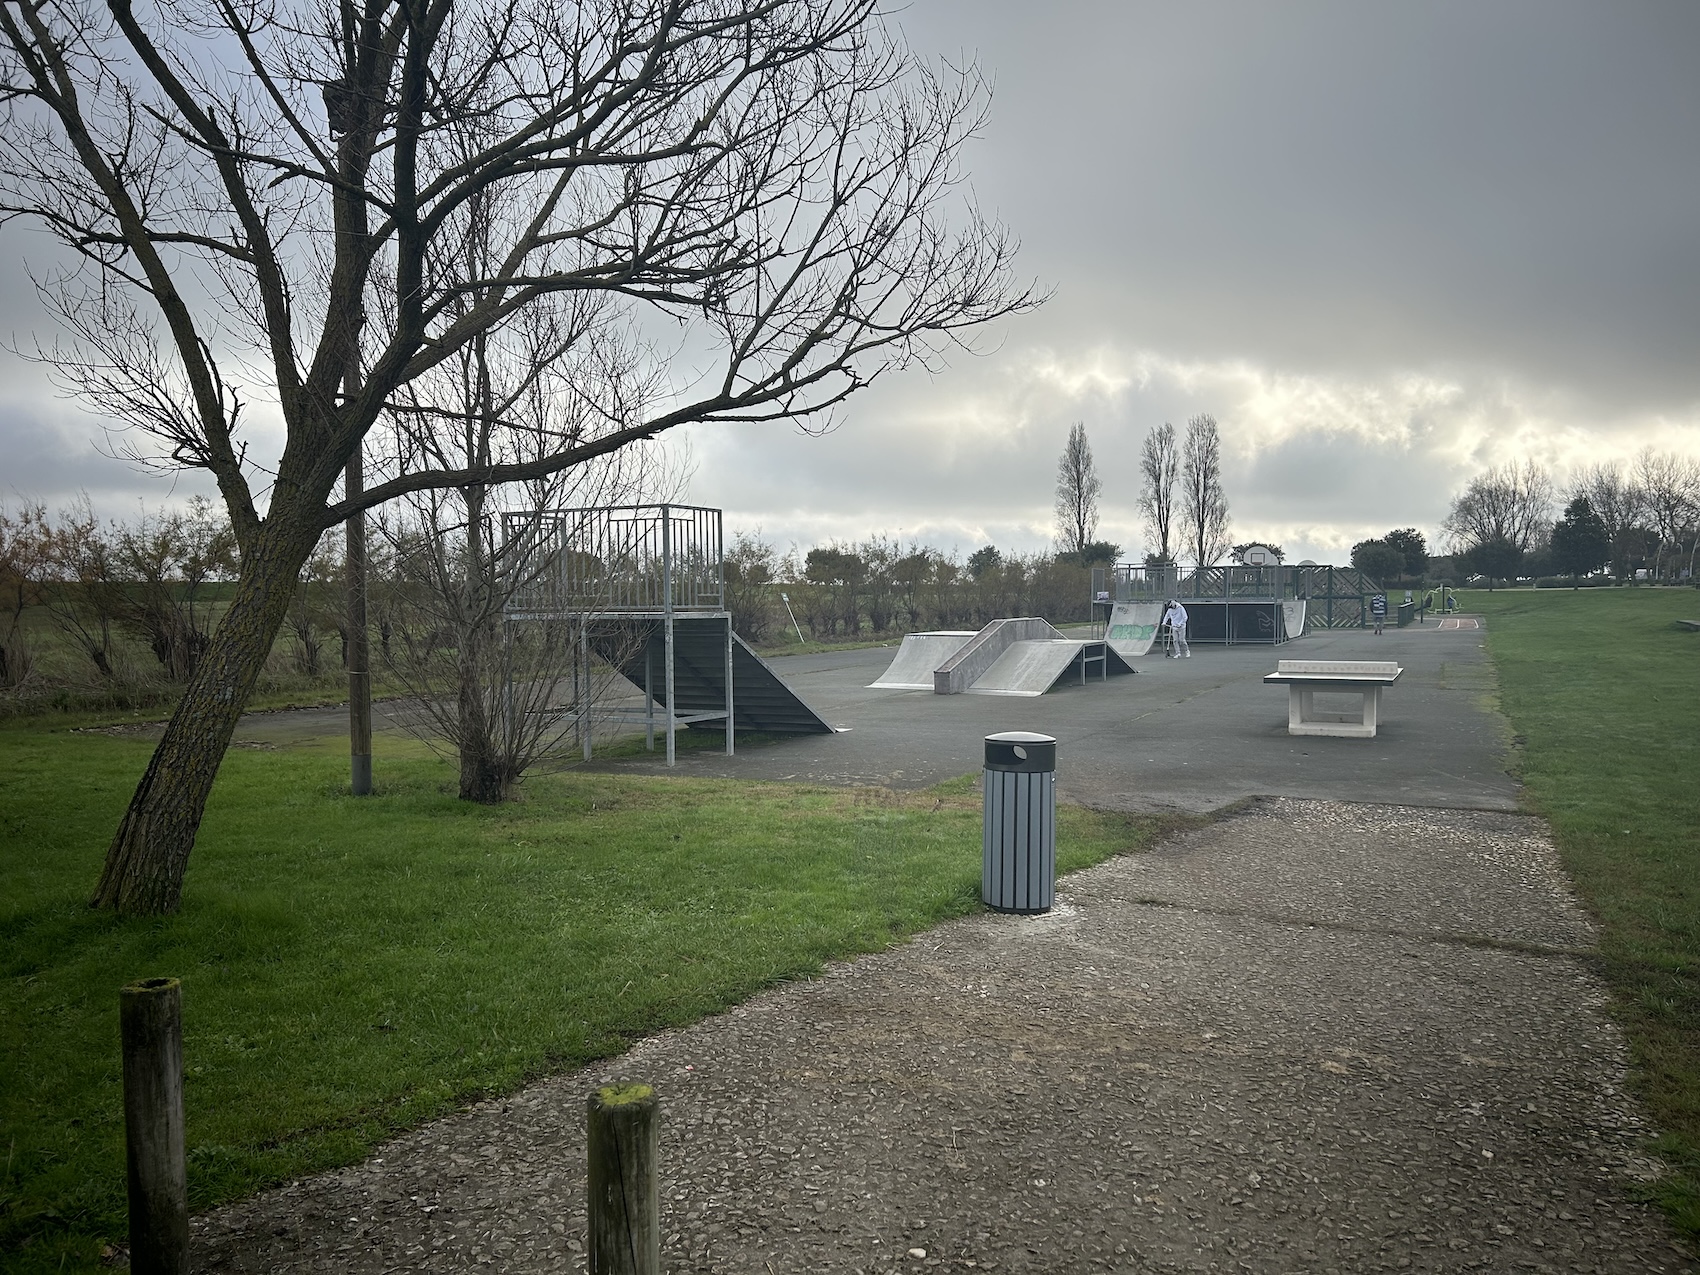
[{"x": 1175, "y": 618}]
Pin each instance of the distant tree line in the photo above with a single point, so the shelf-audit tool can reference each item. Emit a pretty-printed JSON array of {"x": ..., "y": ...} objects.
[
  {"x": 127, "y": 605},
  {"x": 1618, "y": 522},
  {"x": 132, "y": 600},
  {"x": 1397, "y": 557},
  {"x": 123, "y": 608},
  {"x": 845, "y": 591}
]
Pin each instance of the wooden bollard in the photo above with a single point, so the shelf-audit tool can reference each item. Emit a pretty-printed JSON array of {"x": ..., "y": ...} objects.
[
  {"x": 623, "y": 1137},
  {"x": 150, "y": 1016}
]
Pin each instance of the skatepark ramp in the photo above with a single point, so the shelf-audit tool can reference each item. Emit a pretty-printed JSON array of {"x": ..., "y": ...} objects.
[
  {"x": 760, "y": 699},
  {"x": 1033, "y": 667},
  {"x": 1133, "y": 628},
  {"x": 970, "y": 664},
  {"x": 920, "y": 654},
  {"x": 1024, "y": 656}
]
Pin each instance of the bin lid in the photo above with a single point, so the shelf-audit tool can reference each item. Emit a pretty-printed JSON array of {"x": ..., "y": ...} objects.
[{"x": 1021, "y": 751}]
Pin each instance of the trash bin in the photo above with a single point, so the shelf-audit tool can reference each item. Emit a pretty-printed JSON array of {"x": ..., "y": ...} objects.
[{"x": 1019, "y": 870}]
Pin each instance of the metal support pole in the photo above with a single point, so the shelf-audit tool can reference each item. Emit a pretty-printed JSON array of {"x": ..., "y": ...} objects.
[
  {"x": 672, "y": 725},
  {"x": 584, "y": 708},
  {"x": 649, "y": 691},
  {"x": 578, "y": 700},
  {"x": 729, "y": 684},
  {"x": 667, "y": 624},
  {"x": 150, "y": 1015}
]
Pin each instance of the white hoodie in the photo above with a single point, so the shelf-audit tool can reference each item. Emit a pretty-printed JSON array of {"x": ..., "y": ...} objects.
[{"x": 1177, "y": 616}]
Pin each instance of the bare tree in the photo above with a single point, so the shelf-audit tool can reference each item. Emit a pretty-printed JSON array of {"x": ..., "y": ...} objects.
[
  {"x": 320, "y": 602},
  {"x": 1204, "y": 504},
  {"x": 26, "y": 539},
  {"x": 549, "y": 377},
  {"x": 1159, "y": 470},
  {"x": 751, "y": 571},
  {"x": 166, "y": 560},
  {"x": 1078, "y": 487},
  {"x": 1670, "y": 487},
  {"x": 1619, "y": 503},
  {"x": 85, "y": 594},
  {"x": 1510, "y": 505},
  {"x": 257, "y": 194}
]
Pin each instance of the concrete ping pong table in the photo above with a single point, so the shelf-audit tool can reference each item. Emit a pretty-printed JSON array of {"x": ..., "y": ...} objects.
[{"x": 1304, "y": 678}]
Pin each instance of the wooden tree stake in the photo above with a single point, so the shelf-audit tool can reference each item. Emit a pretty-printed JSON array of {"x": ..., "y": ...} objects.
[
  {"x": 151, "y": 1019},
  {"x": 625, "y": 1202}
]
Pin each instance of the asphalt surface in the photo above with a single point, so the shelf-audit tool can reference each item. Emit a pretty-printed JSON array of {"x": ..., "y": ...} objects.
[{"x": 1190, "y": 734}]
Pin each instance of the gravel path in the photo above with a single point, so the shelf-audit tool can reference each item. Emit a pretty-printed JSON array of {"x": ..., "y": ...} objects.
[{"x": 1309, "y": 1037}]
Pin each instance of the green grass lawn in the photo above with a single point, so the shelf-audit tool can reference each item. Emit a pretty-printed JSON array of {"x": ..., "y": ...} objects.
[
  {"x": 354, "y": 967},
  {"x": 1604, "y": 693}
]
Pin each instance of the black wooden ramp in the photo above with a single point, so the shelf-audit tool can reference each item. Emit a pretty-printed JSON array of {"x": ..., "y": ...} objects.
[{"x": 760, "y": 699}]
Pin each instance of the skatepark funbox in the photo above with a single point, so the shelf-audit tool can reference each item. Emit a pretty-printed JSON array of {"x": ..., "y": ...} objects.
[{"x": 1024, "y": 656}]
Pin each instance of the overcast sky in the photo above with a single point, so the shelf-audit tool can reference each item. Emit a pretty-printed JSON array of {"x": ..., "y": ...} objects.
[{"x": 1384, "y": 245}]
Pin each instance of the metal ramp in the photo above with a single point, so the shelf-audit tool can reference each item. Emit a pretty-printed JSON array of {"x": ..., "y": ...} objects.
[
  {"x": 1133, "y": 627},
  {"x": 760, "y": 699},
  {"x": 1034, "y": 666}
]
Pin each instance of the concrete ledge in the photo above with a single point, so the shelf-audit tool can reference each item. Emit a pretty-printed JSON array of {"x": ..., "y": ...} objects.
[
  {"x": 1335, "y": 730},
  {"x": 1335, "y": 670}
]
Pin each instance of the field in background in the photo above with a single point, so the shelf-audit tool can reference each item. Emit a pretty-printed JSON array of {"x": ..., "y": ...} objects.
[
  {"x": 1603, "y": 691},
  {"x": 355, "y": 967}
]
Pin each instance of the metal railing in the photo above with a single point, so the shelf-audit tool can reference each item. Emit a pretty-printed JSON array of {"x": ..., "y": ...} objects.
[
  {"x": 1336, "y": 597},
  {"x": 639, "y": 559}
]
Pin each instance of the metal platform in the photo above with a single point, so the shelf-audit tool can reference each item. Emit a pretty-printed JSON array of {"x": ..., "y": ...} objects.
[
  {"x": 644, "y": 586},
  {"x": 1236, "y": 604}
]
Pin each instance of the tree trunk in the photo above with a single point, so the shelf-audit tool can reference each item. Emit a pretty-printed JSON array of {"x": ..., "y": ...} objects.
[
  {"x": 150, "y": 851},
  {"x": 483, "y": 777},
  {"x": 481, "y": 770}
]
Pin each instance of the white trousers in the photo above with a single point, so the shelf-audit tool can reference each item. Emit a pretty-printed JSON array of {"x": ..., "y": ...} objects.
[{"x": 1177, "y": 635}]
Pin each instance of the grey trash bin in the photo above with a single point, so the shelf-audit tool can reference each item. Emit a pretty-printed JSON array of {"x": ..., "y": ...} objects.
[{"x": 1019, "y": 870}]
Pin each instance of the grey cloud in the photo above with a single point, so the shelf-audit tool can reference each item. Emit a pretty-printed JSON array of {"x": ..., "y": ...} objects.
[
  {"x": 53, "y": 454},
  {"x": 1293, "y": 210},
  {"x": 1510, "y": 185}
]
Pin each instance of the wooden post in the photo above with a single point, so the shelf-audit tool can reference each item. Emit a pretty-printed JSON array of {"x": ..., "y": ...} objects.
[
  {"x": 150, "y": 1015},
  {"x": 623, "y": 1136}
]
